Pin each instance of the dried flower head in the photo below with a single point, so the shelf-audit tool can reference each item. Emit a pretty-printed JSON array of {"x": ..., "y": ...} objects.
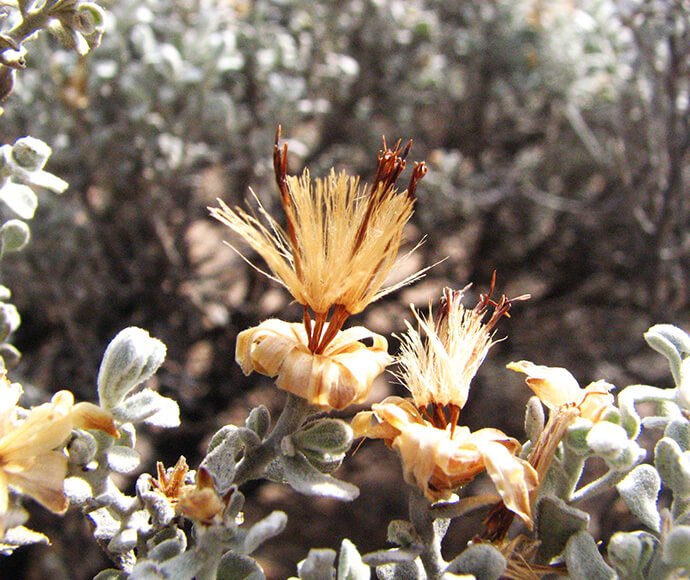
[
  {"x": 340, "y": 241},
  {"x": 339, "y": 376},
  {"x": 31, "y": 459},
  {"x": 557, "y": 387},
  {"x": 436, "y": 453},
  {"x": 440, "y": 460},
  {"x": 199, "y": 502},
  {"x": 438, "y": 370}
]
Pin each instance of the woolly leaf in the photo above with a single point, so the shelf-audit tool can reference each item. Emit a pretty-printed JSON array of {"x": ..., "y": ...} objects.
[
  {"x": 18, "y": 536},
  {"x": 676, "y": 550},
  {"x": 584, "y": 561},
  {"x": 640, "y": 491},
  {"x": 14, "y": 235},
  {"x": 30, "y": 153},
  {"x": 556, "y": 523},
  {"x": 672, "y": 342},
  {"x": 259, "y": 420},
  {"x": 481, "y": 560},
  {"x": 150, "y": 407},
  {"x": 304, "y": 478},
  {"x": 318, "y": 565},
  {"x": 327, "y": 438},
  {"x": 235, "y": 567},
  {"x": 534, "y": 418},
  {"x": 122, "y": 459},
  {"x": 131, "y": 358},
  {"x": 350, "y": 565},
  {"x": 394, "y": 556},
  {"x": 404, "y": 571},
  {"x": 673, "y": 465},
  {"x": 77, "y": 490},
  {"x": 679, "y": 431},
  {"x": 630, "y": 553},
  {"x": 20, "y": 198},
  {"x": 265, "y": 529},
  {"x": 607, "y": 439}
]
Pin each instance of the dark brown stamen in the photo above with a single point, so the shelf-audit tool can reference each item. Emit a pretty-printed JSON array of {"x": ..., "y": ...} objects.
[
  {"x": 391, "y": 163},
  {"x": 340, "y": 315},
  {"x": 280, "y": 169}
]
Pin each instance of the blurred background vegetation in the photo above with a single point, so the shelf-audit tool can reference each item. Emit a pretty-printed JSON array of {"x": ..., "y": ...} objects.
[{"x": 556, "y": 135}]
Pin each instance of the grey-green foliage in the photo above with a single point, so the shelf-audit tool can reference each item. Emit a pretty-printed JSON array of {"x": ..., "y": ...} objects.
[{"x": 21, "y": 169}]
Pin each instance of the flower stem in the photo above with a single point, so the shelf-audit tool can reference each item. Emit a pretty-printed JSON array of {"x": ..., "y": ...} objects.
[
  {"x": 422, "y": 519},
  {"x": 294, "y": 414}
]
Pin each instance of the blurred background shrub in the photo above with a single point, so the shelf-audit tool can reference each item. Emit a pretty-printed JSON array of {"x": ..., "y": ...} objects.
[{"x": 556, "y": 135}]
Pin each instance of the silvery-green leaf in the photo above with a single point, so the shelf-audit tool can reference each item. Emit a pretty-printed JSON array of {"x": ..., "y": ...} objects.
[
  {"x": 123, "y": 541},
  {"x": 82, "y": 448},
  {"x": 89, "y": 17},
  {"x": 412, "y": 570},
  {"x": 20, "y": 198},
  {"x": 607, "y": 439},
  {"x": 30, "y": 153},
  {"x": 556, "y": 523},
  {"x": 534, "y": 418},
  {"x": 584, "y": 561},
  {"x": 672, "y": 342},
  {"x": 259, "y": 420},
  {"x": 20, "y": 536},
  {"x": 673, "y": 465},
  {"x": 318, "y": 565},
  {"x": 576, "y": 436},
  {"x": 640, "y": 491},
  {"x": 676, "y": 547},
  {"x": 146, "y": 570},
  {"x": 9, "y": 320},
  {"x": 481, "y": 560},
  {"x": 14, "y": 235},
  {"x": 222, "y": 455},
  {"x": 350, "y": 565},
  {"x": 122, "y": 459},
  {"x": 131, "y": 358},
  {"x": 304, "y": 478},
  {"x": 149, "y": 407},
  {"x": 48, "y": 181},
  {"x": 166, "y": 550},
  {"x": 77, "y": 490},
  {"x": 679, "y": 431},
  {"x": 630, "y": 553},
  {"x": 328, "y": 438},
  {"x": 263, "y": 530},
  {"x": 394, "y": 556},
  {"x": 235, "y": 567},
  {"x": 683, "y": 393},
  {"x": 106, "y": 525}
]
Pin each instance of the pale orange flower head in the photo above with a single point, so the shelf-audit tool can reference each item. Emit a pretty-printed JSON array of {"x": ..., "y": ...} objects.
[
  {"x": 556, "y": 387},
  {"x": 439, "y": 461},
  {"x": 339, "y": 376},
  {"x": 31, "y": 459}
]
